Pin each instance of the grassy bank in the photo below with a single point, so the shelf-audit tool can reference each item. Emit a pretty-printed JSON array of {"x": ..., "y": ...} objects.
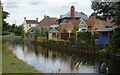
[{"x": 11, "y": 64}]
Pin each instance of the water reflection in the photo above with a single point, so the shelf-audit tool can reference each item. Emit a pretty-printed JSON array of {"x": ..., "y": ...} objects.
[{"x": 59, "y": 61}]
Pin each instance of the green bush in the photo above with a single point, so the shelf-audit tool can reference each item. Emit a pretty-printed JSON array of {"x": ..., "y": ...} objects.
[
  {"x": 114, "y": 44},
  {"x": 5, "y": 32},
  {"x": 73, "y": 38},
  {"x": 92, "y": 41},
  {"x": 84, "y": 36}
]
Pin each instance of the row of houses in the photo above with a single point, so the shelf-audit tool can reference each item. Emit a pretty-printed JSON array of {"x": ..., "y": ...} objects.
[{"x": 62, "y": 27}]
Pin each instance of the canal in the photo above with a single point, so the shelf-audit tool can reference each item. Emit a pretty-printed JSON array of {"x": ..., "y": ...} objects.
[{"x": 60, "y": 61}]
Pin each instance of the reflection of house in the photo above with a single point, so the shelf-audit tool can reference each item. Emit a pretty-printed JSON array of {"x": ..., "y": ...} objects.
[
  {"x": 105, "y": 34},
  {"x": 90, "y": 24},
  {"x": 28, "y": 24}
]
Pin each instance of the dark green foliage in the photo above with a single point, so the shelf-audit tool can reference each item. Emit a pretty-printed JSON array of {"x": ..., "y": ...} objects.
[
  {"x": 18, "y": 30},
  {"x": 10, "y": 29},
  {"x": 108, "y": 10},
  {"x": 37, "y": 33},
  {"x": 76, "y": 29},
  {"x": 42, "y": 32},
  {"x": 92, "y": 41},
  {"x": 5, "y": 32},
  {"x": 73, "y": 38},
  {"x": 84, "y": 37},
  {"x": 115, "y": 42}
]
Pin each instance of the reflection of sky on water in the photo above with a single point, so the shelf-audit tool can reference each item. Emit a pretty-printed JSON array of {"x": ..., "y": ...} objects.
[{"x": 48, "y": 62}]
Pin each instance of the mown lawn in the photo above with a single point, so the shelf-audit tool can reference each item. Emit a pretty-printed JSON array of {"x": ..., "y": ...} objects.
[{"x": 11, "y": 64}]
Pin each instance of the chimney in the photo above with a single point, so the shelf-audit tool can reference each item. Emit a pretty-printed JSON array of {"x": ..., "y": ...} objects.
[
  {"x": 44, "y": 16},
  {"x": 37, "y": 19},
  {"x": 24, "y": 18},
  {"x": 72, "y": 11}
]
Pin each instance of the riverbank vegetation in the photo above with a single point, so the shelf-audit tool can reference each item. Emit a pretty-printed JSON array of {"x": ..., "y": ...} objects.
[{"x": 11, "y": 64}]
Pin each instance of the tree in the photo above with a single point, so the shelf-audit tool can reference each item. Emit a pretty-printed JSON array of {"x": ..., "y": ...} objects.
[
  {"x": 84, "y": 37},
  {"x": 115, "y": 42},
  {"x": 5, "y": 26},
  {"x": 76, "y": 29},
  {"x": 92, "y": 41},
  {"x": 37, "y": 33},
  {"x": 107, "y": 10},
  {"x": 42, "y": 32}
]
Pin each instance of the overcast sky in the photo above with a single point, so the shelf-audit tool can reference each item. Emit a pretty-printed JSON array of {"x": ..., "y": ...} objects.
[{"x": 32, "y": 9}]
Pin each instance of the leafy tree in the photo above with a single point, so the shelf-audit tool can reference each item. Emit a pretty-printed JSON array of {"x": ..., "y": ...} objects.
[
  {"x": 92, "y": 41},
  {"x": 107, "y": 10},
  {"x": 5, "y": 26},
  {"x": 76, "y": 29},
  {"x": 115, "y": 42},
  {"x": 42, "y": 32},
  {"x": 84, "y": 37},
  {"x": 37, "y": 33}
]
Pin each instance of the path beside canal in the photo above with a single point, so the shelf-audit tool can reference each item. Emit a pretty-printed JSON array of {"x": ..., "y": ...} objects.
[{"x": 11, "y": 64}]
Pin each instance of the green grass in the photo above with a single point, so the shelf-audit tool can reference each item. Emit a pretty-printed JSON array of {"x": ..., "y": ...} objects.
[{"x": 11, "y": 64}]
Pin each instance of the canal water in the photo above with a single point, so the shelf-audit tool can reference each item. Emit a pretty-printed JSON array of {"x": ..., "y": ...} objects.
[{"x": 60, "y": 61}]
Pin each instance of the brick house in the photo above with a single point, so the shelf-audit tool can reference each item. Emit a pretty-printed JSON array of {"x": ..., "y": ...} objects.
[
  {"x": 47, "y": 21},
  {"x": 68, "y": 26},
  {"x": 72, "y": 14},
  {"x": 90, "y": 24}
]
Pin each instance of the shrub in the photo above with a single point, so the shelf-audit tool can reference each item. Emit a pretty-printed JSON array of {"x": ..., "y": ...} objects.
[
  {"x": 92, "y": 41},
  {"x": 84, "y": 36},
  {"x": 114, "y": 44},
  {"x": 73, "y": 38},
  {"x": 5, "y": 33}
]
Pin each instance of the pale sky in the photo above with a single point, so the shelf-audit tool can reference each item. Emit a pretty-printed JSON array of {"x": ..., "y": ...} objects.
[{"x": 32, "y": 9}]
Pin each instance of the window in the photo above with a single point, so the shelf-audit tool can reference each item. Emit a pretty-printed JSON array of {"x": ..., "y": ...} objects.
[
  {"x": 82, "y": 25},
  {"x": 104, "y": 34}
]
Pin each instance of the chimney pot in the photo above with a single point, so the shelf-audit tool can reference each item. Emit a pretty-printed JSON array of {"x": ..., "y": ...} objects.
[
  {"x": 72, "y": 11},
  {"x": 37, "y": 19},
  {"x": 44, "y": 16},
  {"x": 24, "y": 18}
]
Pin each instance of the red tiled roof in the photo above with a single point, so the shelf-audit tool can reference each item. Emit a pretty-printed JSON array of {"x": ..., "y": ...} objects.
[
  {"x": 92, "y": 17},
  {"x": 47, "y": 21},
  {"x": 53, "y": 19},
  {"x": 89, "y": 22},
  {"x": 32, "y": 21},
  {"x": 75, "y": 22}
]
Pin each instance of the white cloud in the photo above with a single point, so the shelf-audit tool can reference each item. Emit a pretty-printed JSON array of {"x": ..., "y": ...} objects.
[{"x": 32, "y": 9}]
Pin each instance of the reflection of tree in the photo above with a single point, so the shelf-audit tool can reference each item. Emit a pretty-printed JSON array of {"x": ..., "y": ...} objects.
[{"x": 74, "y": 58}]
